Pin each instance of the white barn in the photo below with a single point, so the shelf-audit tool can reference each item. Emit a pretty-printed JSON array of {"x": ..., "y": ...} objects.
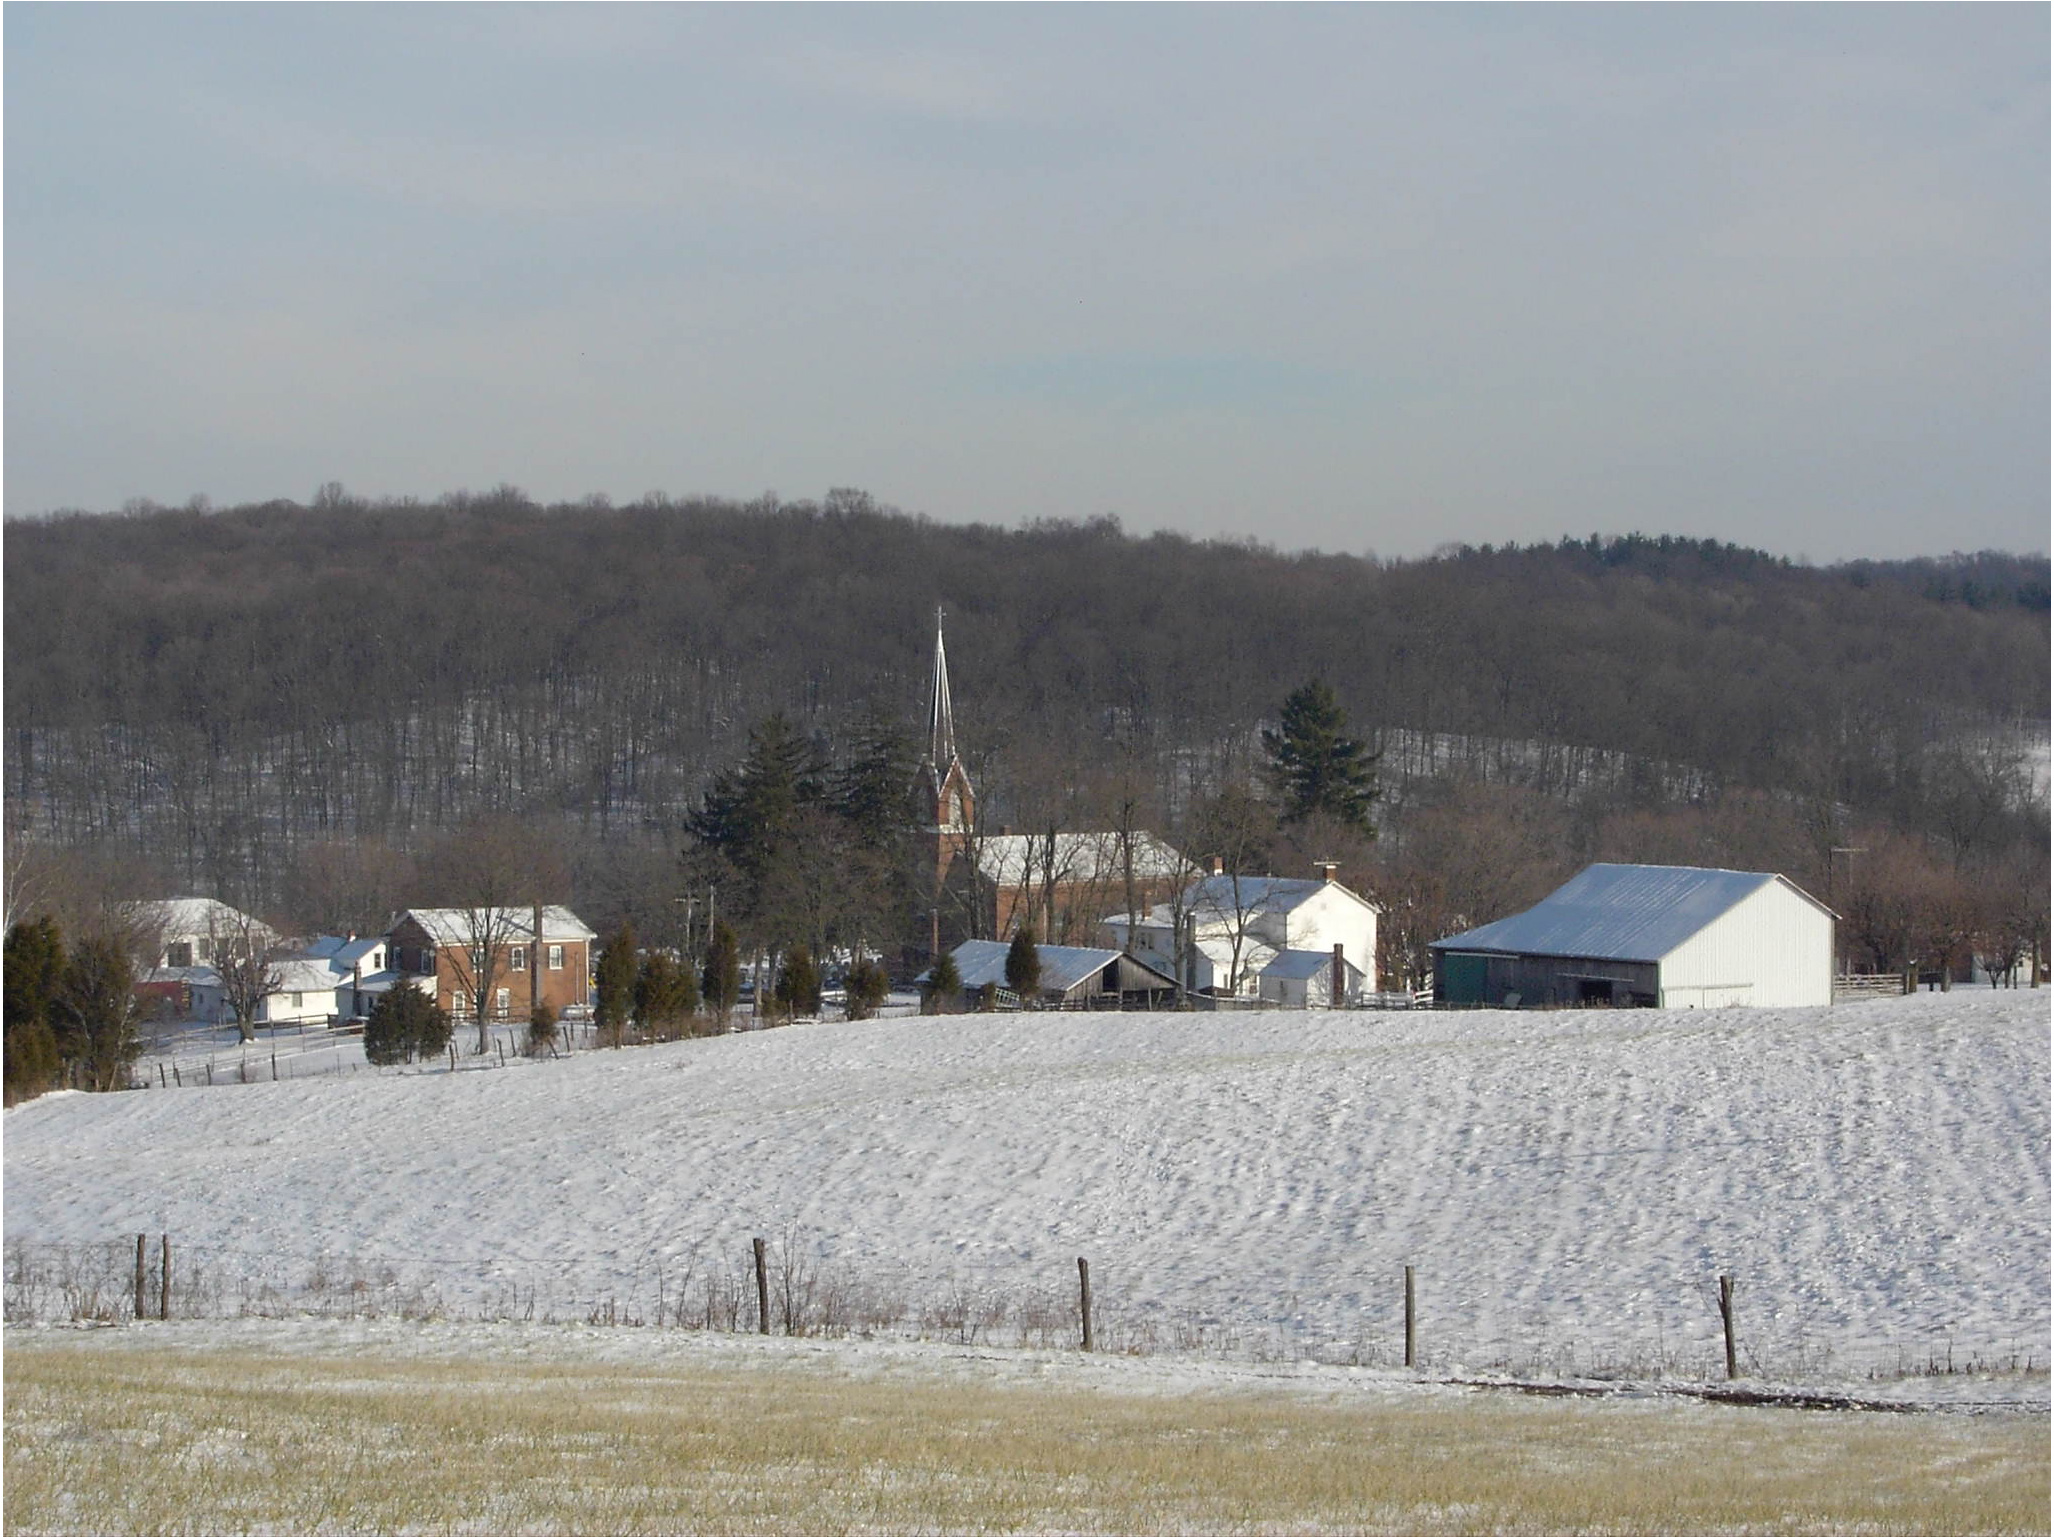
[{"x": 1665, "y": 936}]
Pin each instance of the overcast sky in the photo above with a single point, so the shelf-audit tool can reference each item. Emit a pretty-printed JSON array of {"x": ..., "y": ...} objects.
[{"x": 1356, "y": 278}]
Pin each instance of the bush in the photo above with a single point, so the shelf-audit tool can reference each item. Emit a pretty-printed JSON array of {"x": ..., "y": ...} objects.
[
  {"x": 798, "y": 984},
  {"x": 541, "y": 1032},
  {"x": 404, "y": 1025},
  {"x": 867, "y": 987},
  {"x": 944, "y": 986}
]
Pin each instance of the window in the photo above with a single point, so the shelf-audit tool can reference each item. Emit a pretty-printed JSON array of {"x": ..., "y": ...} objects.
[
  {"x": 297, "y": 1001},
  {"x": 179, "y": 955},
  {"x": 377, "y": 961},
  {"x": 520, "y": 958},
  {"x": 505, "y": 1001},
  {"x": 477, "y": 960},
  {"x": 556, "y": 958},
  {"x": 456, "y": 1001},
  {"x": 205, "y": 950}
]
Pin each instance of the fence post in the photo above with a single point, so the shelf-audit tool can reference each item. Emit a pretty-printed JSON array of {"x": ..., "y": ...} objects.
[
  {"x": 1411, "y": 1339},
  {"x": 164, "y": 1284},
  {"x": 1084, "y": 1296},
  {"x": 274, "y": 1065},
  {"x": 762, "y": 1290},
  {"x": 1726, "y": 1320},
  {"x": 142, "y": 1272}
]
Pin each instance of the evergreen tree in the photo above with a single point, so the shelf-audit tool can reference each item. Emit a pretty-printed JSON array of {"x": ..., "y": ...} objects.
[
  {"x": 615, "y": 984},
  {"x": 866, "y": 988},
  {"x": 720, "y": 981},
  {"x": 98, "y": 1015},
  {"x": 944, "y": 985},
  {"x": 665, "y": 994},
  {"x": 1315, "y": 767},
  {"x": 405, "y": 1024},
  {"x": 33, "y": 971},
  {"x": 798, "y": 984},
  {"x": 749, "y": 812},
  {"x": 870, "y": 793},
  {"x": 1023, "y": 966}
]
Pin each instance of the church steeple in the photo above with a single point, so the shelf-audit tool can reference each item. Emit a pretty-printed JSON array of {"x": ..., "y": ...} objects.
[
  {"x": 948, "y": 804},
  {"x": 941, "y": 724}
]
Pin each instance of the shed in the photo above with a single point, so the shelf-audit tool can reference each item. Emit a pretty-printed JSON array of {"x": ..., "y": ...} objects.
[
  {"x": 1667, "y": 936},
  {"x": 1072, "y": 975},
  {"x": 1305, "y": 980}
]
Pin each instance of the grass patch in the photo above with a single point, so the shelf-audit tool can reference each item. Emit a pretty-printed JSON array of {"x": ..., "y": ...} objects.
[{"x": 141, "y": 1440}]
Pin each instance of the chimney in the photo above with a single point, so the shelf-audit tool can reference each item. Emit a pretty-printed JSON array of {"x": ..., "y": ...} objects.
[
  {"x": 1005, "y": 830},
  {"x": 1217, "y": 865},
  {"x": 1327, "y": 869},
  {"x": 1339, "y": 993}
]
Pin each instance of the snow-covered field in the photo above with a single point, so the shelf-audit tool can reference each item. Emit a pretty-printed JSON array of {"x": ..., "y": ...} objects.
[{"x": 1568, "y": 1186}]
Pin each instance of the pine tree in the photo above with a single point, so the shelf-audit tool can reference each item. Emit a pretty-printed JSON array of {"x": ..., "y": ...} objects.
[
  {"x": 403, "y": 1025},
  {"x": 665, "y": 994},
  {"x": 616, "y": 985},
  {"x": 1023, "y": 967},
  {"x": 720, "y": 982},
  {"x": 34, "y": 969},
  {"x": 944, "y": 985},
  {"x": 866, "y": 987},
  {"x": 798, "y": 983},
  {"x": 97, "y": 1014},
  {"x": 1315, "y": 767}
]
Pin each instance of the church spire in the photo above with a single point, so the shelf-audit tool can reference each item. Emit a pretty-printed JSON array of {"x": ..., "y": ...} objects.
[{"x": 942, "y": 721}]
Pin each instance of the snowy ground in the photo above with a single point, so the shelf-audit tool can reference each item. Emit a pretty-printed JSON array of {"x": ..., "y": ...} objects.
[{"x": 1250, "y": 1187}]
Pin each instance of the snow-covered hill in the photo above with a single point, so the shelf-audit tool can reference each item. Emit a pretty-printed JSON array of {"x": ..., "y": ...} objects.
[{"x": 1567, "y": 1185}]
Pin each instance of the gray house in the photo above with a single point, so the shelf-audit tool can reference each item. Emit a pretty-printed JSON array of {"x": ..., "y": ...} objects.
[{"x": 1663, "y": 936}]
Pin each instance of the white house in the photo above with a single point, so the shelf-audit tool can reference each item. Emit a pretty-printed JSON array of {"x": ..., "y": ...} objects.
[
  {"x": 197, "y": 931},
  {"x": 1667, "y": 936},
  {"x": 1305, "y": 980},
  {"x": 1236, "y": 926}
]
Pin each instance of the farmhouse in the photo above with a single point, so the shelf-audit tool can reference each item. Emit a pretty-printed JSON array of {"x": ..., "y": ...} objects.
[
  {"x": 524, "y": 956},
  {"x": 1225, "y": 930},
  {"x": 1663, "y": 936},
  {"x": 197, "y": 931},
  {"x": 1072, "y": 976}
]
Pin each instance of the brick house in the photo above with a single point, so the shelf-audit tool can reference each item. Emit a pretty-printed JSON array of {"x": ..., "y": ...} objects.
[{"x": 451, "y": 946}]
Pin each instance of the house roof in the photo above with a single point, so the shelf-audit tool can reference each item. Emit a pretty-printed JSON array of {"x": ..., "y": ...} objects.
[
  {"x": 453, "y": 926},
  {"x": 1620, "y": 913},
  {"x": 1063, "y": 967},
  {"x": 305, "y": 977},
  {"x": 1013, "y": 859},
  {"x": 1302, "y": 966},
  {"x": 1214, "y": 897},
  {"x": 182, "y": 917}
]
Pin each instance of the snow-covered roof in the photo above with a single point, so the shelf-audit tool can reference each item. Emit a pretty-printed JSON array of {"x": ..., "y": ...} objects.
[
  {"x": 304, "y": 976},
  {"x": 453, "y": 926},
  {"x": 1216, "y": 897},
  {"x": 1013, "y": 859},
  {"x": 1620, "y": 913},
  {"x": 196, "y": 977},
  {"x": 190, "y": 917},
  {"x": 1063, "y": 967},
  {"x": 1302, "y": 966}
]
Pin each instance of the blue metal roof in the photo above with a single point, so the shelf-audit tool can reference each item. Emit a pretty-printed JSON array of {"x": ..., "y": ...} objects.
[{"x": 1617, "y": 913}]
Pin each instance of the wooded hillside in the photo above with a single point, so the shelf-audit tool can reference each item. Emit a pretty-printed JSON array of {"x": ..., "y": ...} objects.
[{"x": 220, "y": 689}]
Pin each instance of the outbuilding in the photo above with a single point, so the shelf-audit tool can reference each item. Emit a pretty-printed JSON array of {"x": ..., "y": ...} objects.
[
  {"x": 1072, "y": 976},
  {"x": 1658, "y": 936}
]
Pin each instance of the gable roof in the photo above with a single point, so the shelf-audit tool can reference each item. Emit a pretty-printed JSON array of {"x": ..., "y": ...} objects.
[
  {"x": 1233, "y": 897},
  {"x": 1014, "y": 859},
  {"x": 452, "y": 926},
  {"x": 1302, "y": 966},
  {"x": 192, "y": 917},
  {"x": 1063, "y": 967},
  {"x": 1621, "y": 913}
]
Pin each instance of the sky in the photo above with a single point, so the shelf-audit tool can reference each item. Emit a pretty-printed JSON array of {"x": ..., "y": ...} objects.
[{"x": 1354, "y": 278}]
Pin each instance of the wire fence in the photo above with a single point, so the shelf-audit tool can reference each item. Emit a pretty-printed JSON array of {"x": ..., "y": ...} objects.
[{"x": 789, "y": 1287}]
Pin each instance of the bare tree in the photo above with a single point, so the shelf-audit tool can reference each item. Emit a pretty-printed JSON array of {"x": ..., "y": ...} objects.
[
  {"x": 491, "y": 873},
  {"x": 240, "y": 946}
]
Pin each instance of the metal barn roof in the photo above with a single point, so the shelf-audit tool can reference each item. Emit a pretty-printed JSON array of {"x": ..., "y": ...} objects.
[
  {"x": 1302, "y": 966},
  {"x": 1063, "y": 967},
  {"x": 1618, "y": 913}
]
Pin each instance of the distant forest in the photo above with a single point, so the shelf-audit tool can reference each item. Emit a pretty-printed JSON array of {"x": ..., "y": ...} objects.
[{"x": 217, "y": 692}]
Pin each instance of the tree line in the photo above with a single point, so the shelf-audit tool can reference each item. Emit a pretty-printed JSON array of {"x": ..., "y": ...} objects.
[{"x": 303, "y": 709}]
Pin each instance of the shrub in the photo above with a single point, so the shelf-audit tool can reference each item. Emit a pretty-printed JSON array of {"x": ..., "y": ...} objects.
[
  {"x": 867, "y": 987},
  {"x": 404, "y": 1025},
  {"x": 541, "y": 1032}
]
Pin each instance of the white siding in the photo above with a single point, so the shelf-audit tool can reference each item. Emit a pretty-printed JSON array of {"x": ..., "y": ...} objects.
[
  {"x": 1775, "y": 947},
  {"x": 1337, "y": 917}
]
